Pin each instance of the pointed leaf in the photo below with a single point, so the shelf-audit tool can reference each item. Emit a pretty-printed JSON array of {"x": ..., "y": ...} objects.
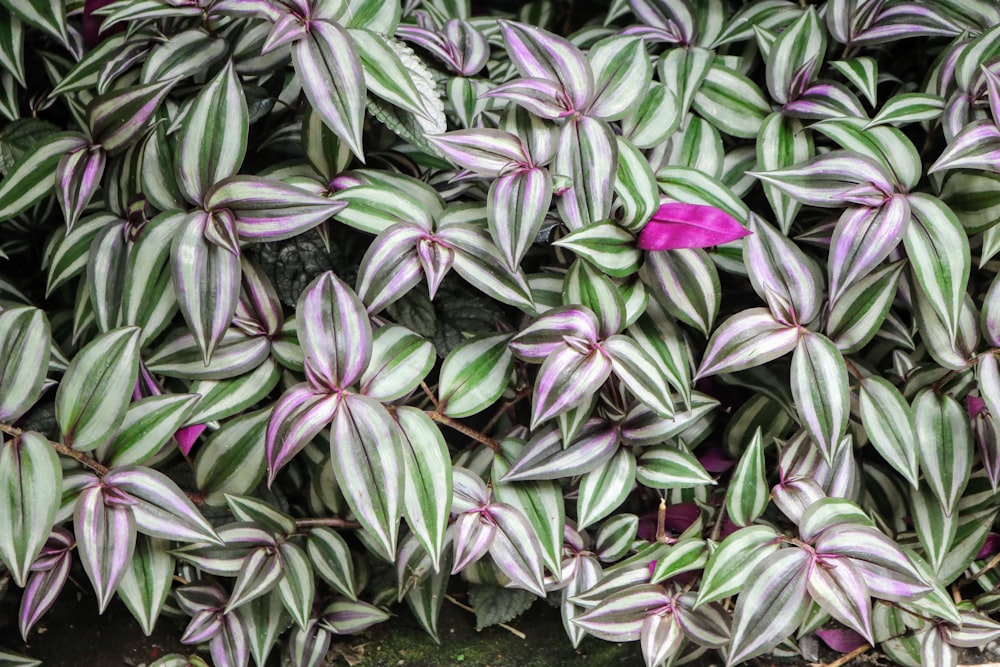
[
  {"x": 25, "y": 348},
  {"x": 890, "y": 426},
  {"x": 945, "y": 443},
  {"x": 105, "y": 537},
  {"x": 474, "y": 375},
  {"x": 820, "y": 390},
  {"x": 334, "y": 331}
]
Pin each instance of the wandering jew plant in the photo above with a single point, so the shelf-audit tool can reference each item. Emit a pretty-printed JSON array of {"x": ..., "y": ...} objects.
[{"x": 683, "y": 314}]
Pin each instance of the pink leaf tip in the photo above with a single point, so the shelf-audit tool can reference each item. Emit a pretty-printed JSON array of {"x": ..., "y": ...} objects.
[
  {"x": 186, "y": 437},
  {"x": 677, "y": 225}
]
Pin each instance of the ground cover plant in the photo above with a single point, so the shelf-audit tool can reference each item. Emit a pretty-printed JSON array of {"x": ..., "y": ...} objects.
[{"x": 681, "y": 315}]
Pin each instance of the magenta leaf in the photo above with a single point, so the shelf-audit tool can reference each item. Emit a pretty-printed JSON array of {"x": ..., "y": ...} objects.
[
  {"x": 841, "y": 640},
  {"x": 676, "y": 225}
]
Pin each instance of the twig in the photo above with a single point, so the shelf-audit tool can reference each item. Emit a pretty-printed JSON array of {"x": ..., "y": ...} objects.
[
  {"x": 326, "y": 522},
  {"x": 62, "y": 449},
  {"x": 847, "y": 657},
  {"x": 513, "y": 631},
  {"x": 431, "y": 396},
  {"x": 507, "y": 405},
  {"x": 465, "y": 430},
  {"x": 986, "y": 568}
]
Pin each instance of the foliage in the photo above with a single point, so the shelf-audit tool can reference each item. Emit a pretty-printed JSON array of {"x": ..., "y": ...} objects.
[{"x": 685, "y": 318}]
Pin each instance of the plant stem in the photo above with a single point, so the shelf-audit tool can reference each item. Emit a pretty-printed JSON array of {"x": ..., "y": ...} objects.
[
  {"x": 847, "y": 657},
  {"x": 430, "y": 395},
  {"x": 465, "y": 430},
  {"x": 62, "y": 449},
  {"x": 326, "y": 522}
]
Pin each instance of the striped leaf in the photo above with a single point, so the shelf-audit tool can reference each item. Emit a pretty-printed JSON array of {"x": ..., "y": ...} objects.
[
  {"x": 686, "y": 283},
  {"x": 540, "y": 97},
  {"x": 236, "y": 353},
  {"x": 973, "y": 196},
  {"x": 782, "y": 275},
  {"x": 635, "y": 186},
  {"x": 297, "y": 587},
  {"x": 888, "y": 573},
  {"x": 614, "y": 538},
  {"x": 801, "y": 45},
  {"x": 859, "y": 313},
  {"x": 212, "y": 139},
  {"x": 248, "y": 508},
  {"x": 654, "y": 119},
  {"x": 391, "y": 265},
  {"x": 733, "y": 560},
  {"x": 621, "y": 615},
  {"x": 29, "y": 472},
  {"x": 43, "y": 586},
  {"x": 747, "y": 339},
  {"x": 589, "y": 288},
  {"x": 588, "y": 155},
  {"x": 515, "y": 210},
  {"x": 49, "y": 15},
  {"x": 541, "y": 503},
  {"x": 622, "y": 73},
  {"x": 748, "y": 494},
  {"x": 820, "y": 391},
  {"x": 206, "y": 279},
  {"x": 938, "y": 251},
  {"x": 605, "y": 245},
  {"x": 106, "y": 274},
  {"x": 603, "y": 490},
  {"x": 184, "y": 54},
  {"x": 840, "y": 590},
  {"x": 269, "y": 210},
  {"x": 970, "y": 537},
  {"x": 12, "y": 46},
  {"x": 890, "y": 425},
  {"x": 474, "y": 375},
  {"x": 668, "y": 467},
  {"x": 330, "y": 70},
  {"x": 261, "y": 572},
  {"x": 94, "y": 393},
  {"x": 32, "y": 177},
  {"x": 516, "y": 550},
  {"x": 150, "y": 301},
  {"x": 782, "y": 142},
  {"x": 427, "y": 483},
  {"x": 264, "y": 619},
  {"x": 540, "y": 54},
  {"x": 731, "y": 102},
  {"x": 683, "y": 71},
  {"x": 225, "y": 398},
  {"x": 686, "y": 555},
  {"x": 697, "y": 146},
  {"x": 405, "y": 84},
  {"x": 486, "y": 151},
  {"x": 657, "y": 334},
  {"x": 69, "y": 255},
  {"x": 945, "y": 443},
  {"x": 544, "y": 457},
  {"x": 25, "y": 348},
  {"x": 331, "y": 558},
  {"x": 335, "y": 333},
  {"x": 690, "y": 186},
  {"x": 638, "y": 371},
  {"x": 975, "y": 147},
  {"x": 547, "y": 334},
  {"x": 348, "y": 617},
  {"x": 159, "y": 506},
  {"x": 145, "y": 585},
  {"x": 148, "y": 424},
  {"x": 400, "y": 360},
  {"x": 885, "y": 144},
  {"x": 231, "y": 460},
  {"x": 771, "y": 605},
  {"x": 935, "y": 529},
  {"x": 119, "y": 117},
  {"x": 299, "y": 415},
  {"x": 479, "y": 261},
  {"x": 907, "y": 108},
  {"x": 862, "y": 73},
  {"x": 587, "y": 572},
  {"x": 105, "y": 538},
  {"x": 829, "y": 179},
  {"x": 566, "y": 378},
  {"x": 78, "y": 176},
  {"x": 863, "y": 237},
  {"x": 366, "y": 457}
]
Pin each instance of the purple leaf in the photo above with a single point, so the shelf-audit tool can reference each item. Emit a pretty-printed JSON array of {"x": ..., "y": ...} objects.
[
  {"x": 886, "y": 570},
  {"x": 44, "y": 586},
  {"x": 567, "y": 377},
  {"x": 474, "y": 532},
  {"x": 545, "y": 458},
  {"x": 841, "y": 640},
  {"x": 549, "y": 333},
  {"x": 488, "y": 152},
  {"x": 660, "y": 638},
  {"x": 391, "y": 266},
  {"x": 515, "y": 211},
  {"x": 542, "y": 97},
  {"x": 839, "y": 589},
  {"x": 864, "y": 237},
  {"x": 747, "y": 339},
  {"x": 676, "y": 225},
  {"x": 187, "y": 436},
  {"x": 620, "y": 616}
]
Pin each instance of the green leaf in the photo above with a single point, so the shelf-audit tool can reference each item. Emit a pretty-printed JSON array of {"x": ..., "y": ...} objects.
[
  {"x": 802, "y": 44},
  {"x": 782, "y": 141},
  {"x": 858, "y": 314},
  {"x": 862, "y": 73},
  {"x": 603, "y": 490},
  {"x": 668, "y": 467},
  {"x": 94, "y": 393},
  {"x": 332, "y": 79},
  {"x": 25, "y": 348},
  {"x": 12, "y": 51},
  {"x": 428, "y": 481},
  {"x": 908, "y": 108},
  {"x": 820, "y": 391},
  {"x": 731, "y": 102},
  {"x": 213, "y": 135},
  {"x": 889, "y": 423},
  {"x": 146, "y": 583},
  {"x": 588, "y": 155},
  {"x": 635, "y": 186},
  {"x": 731, "y": 563},
  {"x": 297, "y": 587},
  {"x": 400, "y": 361},
  {"x": 748, "y": 493},
  {"x": 148, "y": 424},
  {"x": 605, "y": 245},
  {"x": 331, "y": 558},
  {"x": 33, "y": 175},
  {"x": 495, "y": 604},
  {"x": 945, "y": 443},
  {"x": 119, "y": 117},
  {"x": 49, "y": 15},
  {"x": 474, "y": 375},
  {"x": 686, "y": 283},
  {"x": 622, "y": 73},
  {"x": 30, "y": 475},
  {"x": 655, "y": 118},
  {"x": 224, "y": 398}
]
